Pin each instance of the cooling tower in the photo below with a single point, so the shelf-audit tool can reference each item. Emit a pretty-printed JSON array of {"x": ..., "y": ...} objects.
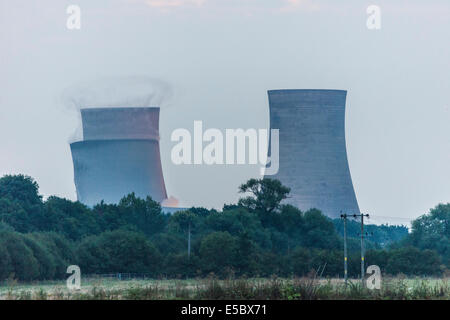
[
  {"x": 312, "y": 151},
  {"x": 119, "y": 154}
]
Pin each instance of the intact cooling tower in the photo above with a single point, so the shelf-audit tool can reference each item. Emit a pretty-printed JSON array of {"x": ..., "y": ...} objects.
[
  {"x": 312, "y": 150},
  {"x": 118, "y": 155}
]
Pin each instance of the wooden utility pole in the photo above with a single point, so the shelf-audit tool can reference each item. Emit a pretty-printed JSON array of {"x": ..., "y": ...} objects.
[
  {"x": 362, "y": 243},
  {"x": 344, "y": 216},
  {"x": 189, "y": 240}
]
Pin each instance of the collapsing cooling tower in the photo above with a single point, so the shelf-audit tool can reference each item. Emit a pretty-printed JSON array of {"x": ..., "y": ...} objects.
[
  {"x": 312, "y": 151},
  {"x": 118, "y": 155}
]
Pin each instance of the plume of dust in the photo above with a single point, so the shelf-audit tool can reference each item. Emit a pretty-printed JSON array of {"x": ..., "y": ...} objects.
[{"x": 110, "y": 92}]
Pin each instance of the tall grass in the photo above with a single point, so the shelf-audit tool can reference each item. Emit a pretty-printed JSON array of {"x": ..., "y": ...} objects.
[{"x": 306, "y": 288}]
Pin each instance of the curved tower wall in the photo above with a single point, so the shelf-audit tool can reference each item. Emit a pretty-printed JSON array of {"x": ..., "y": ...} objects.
[
  {"x": 312, "y": 150},
  {"x": 120, "y": 123},
  {"x": 119, "y": 155}
]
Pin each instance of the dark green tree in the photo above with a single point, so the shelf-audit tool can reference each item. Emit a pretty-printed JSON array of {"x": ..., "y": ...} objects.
[
  {"x": 218, "y": 252},
  {"x": 293, "y": 225},
  {"x": 145, "y": 214},
  {"x": 413, "y": 261},
  {"x": 23, "y": 264},
  {"x": 319, "y": 231},
  {"x": 265, "y": 195},
  {"x": 184, "y": 221},
  {"x": 118, "y": 251},
  {"x": 20, "y": 203},
  {"x": 432, "y": 231},
  {"x": 6, "y": 267},
  {"x": 45, "y": 259},
  {"x": 71, "y": 219}
]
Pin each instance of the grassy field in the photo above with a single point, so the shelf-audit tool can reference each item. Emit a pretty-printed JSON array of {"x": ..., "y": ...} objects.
[{"x": 211, "y": 288}]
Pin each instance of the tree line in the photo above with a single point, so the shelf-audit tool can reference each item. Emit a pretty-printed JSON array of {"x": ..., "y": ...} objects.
[{"x": 258, "y": 236}]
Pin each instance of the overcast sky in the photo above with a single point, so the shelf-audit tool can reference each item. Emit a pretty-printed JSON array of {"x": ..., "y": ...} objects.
[{"x": 220, "y": 57}]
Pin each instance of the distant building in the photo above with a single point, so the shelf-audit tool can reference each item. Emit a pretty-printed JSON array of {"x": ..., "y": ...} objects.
[
  {"x": 312, "y": 150},
  {"x": 119, "y": 154}
]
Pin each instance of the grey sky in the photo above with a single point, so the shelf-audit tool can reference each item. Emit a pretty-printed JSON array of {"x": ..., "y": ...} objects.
[{"x": 220, "y": 57}]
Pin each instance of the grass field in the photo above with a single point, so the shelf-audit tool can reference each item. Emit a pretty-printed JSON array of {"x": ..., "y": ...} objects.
[{"x": 211, "y": 288}]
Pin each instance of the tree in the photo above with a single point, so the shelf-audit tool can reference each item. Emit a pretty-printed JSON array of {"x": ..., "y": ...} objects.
[
  {"x": 293, "y": 224},
  {"x": 168, "y": 243},
  {"x": 145, "y": 214},
  {"x": 432, "y": 231},
  {"x": 266, "y": 194},
  {"x": 184, "y": 221},
  {"x": 61, "y": 248},
  {"x": 22, "y": 189},
  {"x": 327, "y": 261},
  {"x": 412, "y": 261},
  {"x": 5, "y": 227},
  {"x": 259, "y": 236},
  {"x": 6, "y": 267},
  {"x": 93, "y": 256},
  {"x": 23, "y": 263},
  {"x": 71, "y": 219},
  {"x": 45, "y": 259},
  {"x": 236, "y": 221},
  {"x": 319, "y": 231},
  {"x": 20, "y": 203},
  {"x": 248, "y": 259},
  {"x": 301, "y": 261},
  {"x": 12, "y": 214},
  {"x": 118, "y": 251},
  {"x": 264, "y": 199},
  {"x": 218, "y": 252},
  {"x": 178, "y": 265}
]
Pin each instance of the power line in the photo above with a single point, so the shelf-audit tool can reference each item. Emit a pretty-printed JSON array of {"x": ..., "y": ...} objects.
[
  {"x": 361, "y": 215},
  {"x": 362, "y": 234},
  {"x": 391, "y": 217}
]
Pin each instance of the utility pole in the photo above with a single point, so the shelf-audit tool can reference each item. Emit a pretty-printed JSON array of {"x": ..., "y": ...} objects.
[
  {"x": 362, "y": 243},
  {"x": 344, "y": 216},
  {"x": 189, "y": 240}
]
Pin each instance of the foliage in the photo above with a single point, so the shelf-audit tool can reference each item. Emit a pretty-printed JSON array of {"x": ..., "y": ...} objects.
[
  {"x": 265, "y": 195},
  {"x": 118, "y": 251},
  {"x": 381, "y": 236},
  {"x": 259, "y": 236},
  {"x": 432, "y": 232}
]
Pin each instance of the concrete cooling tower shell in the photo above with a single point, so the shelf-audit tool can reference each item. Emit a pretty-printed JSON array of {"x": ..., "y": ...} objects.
[
  {"x": 312, "y": 150},
  {"x": 119, "y": 155},
  {"x": 110, "y": 169},
  {"x": 120, "y": 123}
]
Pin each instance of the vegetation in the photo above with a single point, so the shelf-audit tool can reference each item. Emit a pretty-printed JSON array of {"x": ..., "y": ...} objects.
[
  {"x": 257, "y": 237},
  {"x": 432, "y": 232},
  {"x": 211, "y": 288}
]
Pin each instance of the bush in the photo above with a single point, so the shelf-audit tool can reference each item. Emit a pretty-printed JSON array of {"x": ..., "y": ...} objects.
[
  {"x": 179, "y": 266},
  {"x": 22, "y": 261},
  {"x": 301, "y": 261},
  {"x": 61, "y": 249},
  {"x": 6, "y": 267},
  {"x": 218, "y": 251},
  {"x": 45, "y": 259},
  {"x": 118, "y": 251},
  {"x": 412, "y": 261}
]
